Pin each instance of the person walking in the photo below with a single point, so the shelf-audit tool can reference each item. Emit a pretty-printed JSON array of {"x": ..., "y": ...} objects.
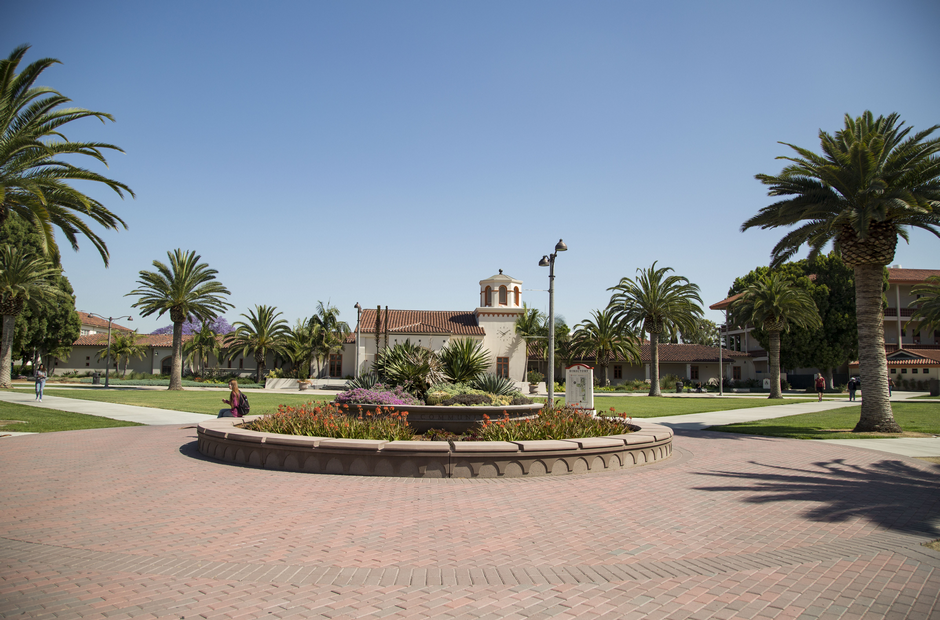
[
  {"x": 820, "y": 385},
  {"x": 853, "y": 385},
  {"x": 40, "y": 377}
]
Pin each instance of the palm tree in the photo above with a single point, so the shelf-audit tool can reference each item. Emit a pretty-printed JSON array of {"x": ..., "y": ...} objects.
[
  {"x": 871, "y": 185},
  {"x": 775, "y": 304},
  {"x": 186, "y": 289},
  {"x": 204, "y": 343},
  {"x": 261, "y": 334},
  {"x": 124, "y": 347},
  {"x": 299, "y": 347},
  {"x": 657, "y": 303},
  {"x": 606, "y": 337},
  {"x": 927, "y": 306},
  {"x": 328, "y": 331},
  {"x": 24, "y": 278},
  {"x": 530, "y": 326},
  {"x": 34, "y": 183}
]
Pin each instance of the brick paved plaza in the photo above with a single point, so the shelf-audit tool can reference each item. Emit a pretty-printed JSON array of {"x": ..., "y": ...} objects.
[{"x": 133, "y": 522}]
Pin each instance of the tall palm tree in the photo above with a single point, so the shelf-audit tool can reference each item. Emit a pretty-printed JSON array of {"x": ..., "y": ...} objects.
[
  {"x": 24, "y": 278},
  {"x": 775, "y": 304},
  {"x": 204, "y": 343},
  {"x": 261, "y": 334},
  {"x": 328, "y": 331},
  {"x": 299, "y": 347},
  {"x": 605, "y": 337},
  {"x": 657, "y": 303},
  {"x": 186, "y": 289},
  {"x": 34, "y": 181},
  {"x": 927, "y": 307},
  {"x": 123, "y": 347},
  {"x": 530, "y": 326},
  {"x": 872, "y": 184}
]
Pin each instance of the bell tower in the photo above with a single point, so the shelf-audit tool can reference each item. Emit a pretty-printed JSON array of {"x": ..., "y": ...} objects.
[{"x": 500, "y": 292}]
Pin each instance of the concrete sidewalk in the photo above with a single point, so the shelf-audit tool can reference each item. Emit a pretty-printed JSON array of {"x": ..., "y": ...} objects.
[{"x": 128, "y": 413}]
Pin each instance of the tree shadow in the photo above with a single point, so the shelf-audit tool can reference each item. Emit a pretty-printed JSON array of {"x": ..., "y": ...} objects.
[{"x": 892, "y": 494}]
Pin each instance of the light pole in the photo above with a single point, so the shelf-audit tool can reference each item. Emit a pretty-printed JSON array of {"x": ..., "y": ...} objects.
[
  {"x": 358, "y": 317},
  {"x": 549, "y": 261},
  {"x": 107, "y": 368}
]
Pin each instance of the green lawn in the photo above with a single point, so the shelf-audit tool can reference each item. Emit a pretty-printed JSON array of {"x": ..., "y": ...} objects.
[
  {"x": 646, "y": 407},
  {"x": 39, "y": 420},
  {"x": 187, "y": 400},
  {"x": 837, "y": 424}
]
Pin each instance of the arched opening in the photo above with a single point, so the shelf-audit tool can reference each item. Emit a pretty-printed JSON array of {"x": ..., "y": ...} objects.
[
  {"x": 488, "y": 297},
  {"x": 503, "y": 296},
  {"x": 517, "y": 295},
  {"x": 166, "y": 366}
]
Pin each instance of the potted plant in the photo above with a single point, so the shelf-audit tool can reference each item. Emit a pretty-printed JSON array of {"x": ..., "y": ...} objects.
[
  {"x": 303, "y": 384},
  {"x": 535, "y": 377}
]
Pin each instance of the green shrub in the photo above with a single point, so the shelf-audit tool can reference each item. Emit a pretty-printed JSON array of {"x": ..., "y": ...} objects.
[
  {"x": 468, "y": 400},
  {"x": 494, "y": 384},
  {"x": 535, "y": 376},
  {"x": 337, "y": 421},
  {"x": 440, "y": 392},
  {"x": 365, "y": 382},
  {"x": 552, "y": 423}
]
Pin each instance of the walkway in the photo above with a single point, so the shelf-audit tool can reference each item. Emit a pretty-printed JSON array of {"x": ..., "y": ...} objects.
[{"x": 134, "y": 522}]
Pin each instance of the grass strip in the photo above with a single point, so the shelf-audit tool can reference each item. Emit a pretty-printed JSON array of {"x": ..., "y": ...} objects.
[
  {"x": 28, "y": 419},
  {"x": 186, "y": 400},
  {"x": 647, "y": 407},
  {"x": 838, "y": 423}
]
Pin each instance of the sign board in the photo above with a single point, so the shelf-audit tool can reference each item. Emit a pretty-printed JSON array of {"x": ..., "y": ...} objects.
[
  {"x": 766, "y": 383},
  {"x": 579, "y": 386}
]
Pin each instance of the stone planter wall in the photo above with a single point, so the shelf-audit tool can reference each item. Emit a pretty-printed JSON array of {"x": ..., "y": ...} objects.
[{"x": 222, "y": 439}]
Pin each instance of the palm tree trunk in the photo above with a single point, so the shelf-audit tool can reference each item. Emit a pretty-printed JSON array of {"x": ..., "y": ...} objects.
[
  {"x": 176, "y": 372},
  {"x": 773, "y": 358},
  {"x": 6, "y": 352},
  {"x": 873, "y": 367},
  {"x": 654, "y": 364}
]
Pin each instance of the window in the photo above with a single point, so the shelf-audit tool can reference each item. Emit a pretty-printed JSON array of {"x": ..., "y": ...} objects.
[
  {"x": 517, "y": 295},
  {"x": 894, "y": 371},
  {"x": 166, "y": 365},
  {"x": 618, "y": 371},
  {"x": 736, "y": 373},
  {"x": 904, "y": 371},
  {"x": 502, "y": 367},
  {"x": 913, "y": 371},
  {"x": 241, "y": 362},
  {"x": 503, "y": 296},
  {"x": 336, "y": 364},
  {"x": 926, "y": 371},
  {"x": 693, "y": 372},
  {"x": 488, "y": 297}
]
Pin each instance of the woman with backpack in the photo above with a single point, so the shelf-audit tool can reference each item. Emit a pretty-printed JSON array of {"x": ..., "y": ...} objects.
[
  {"x": 40, "y": 377},
  {"x": 234, "y": 401}
]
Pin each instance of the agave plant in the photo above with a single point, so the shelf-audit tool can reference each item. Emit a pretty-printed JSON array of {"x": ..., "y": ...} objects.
[
  {"x": 364, "y": 382},
  {"x": 411, "y": 366},
  {"x": 463, "y": 360},
  {"x": 494, "y": 384}
]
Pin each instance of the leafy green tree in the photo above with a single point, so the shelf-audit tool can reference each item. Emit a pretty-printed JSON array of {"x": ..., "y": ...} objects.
[
  {"x": 261, "y": 334},
  {"x": 186, "y": 289},
  {"x": 657, "y": 303},
  {"x": 42, "y": 330},
  {"x": 37, "y": 161},
  {"x": 204, "y": 343},
  {"x": 872, "y": 183},
  {"x": 775, "y": 304},
  {"x": 831, "y": 284},
  {"x": 704, "y": 332},
  {"x": 24, "y": 278},
  {"x": 124, "y": 346},
  {"x": 605, "y": 338},
  {"x": 299, "y": 347},
  {"x": 927, "y": 307},
  {"x": 463, "y": 359}
]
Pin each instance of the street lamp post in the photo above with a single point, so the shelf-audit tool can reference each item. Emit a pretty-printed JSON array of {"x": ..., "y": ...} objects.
[
  {"x": 107, "y": 368},
  {"x": 358, "y": 317},
  {"x": 549, "y": 261}
]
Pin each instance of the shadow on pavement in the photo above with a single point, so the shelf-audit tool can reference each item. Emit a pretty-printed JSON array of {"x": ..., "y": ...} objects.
[{"x": 892, "y": 494}]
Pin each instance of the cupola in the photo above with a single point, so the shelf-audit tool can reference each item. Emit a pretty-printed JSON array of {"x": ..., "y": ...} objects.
[{"x": 500, "y": 291}]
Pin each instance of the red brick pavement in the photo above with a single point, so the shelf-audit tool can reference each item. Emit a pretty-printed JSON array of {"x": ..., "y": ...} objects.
[{"x": 133, "y": 522}]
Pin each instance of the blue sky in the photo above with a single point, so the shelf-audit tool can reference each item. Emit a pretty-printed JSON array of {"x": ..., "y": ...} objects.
[{"x": 396, "y": 153}]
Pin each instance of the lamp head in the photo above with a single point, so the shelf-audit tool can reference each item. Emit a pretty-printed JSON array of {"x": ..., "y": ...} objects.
[
  {"x": 543, "y": 262},
  {"x": 560, "y": 246}
]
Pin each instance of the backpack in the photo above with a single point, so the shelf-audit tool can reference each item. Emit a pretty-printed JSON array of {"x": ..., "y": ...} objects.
[{"x": 243, "y": 407}]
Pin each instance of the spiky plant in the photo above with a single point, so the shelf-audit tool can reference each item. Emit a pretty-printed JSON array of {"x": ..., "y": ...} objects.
[
  {"x": 494, "y": 384},
  {"x": 927, "y": 307},
  {"x": 463, "y": 359},
  {"x": 605, "y": 337}
]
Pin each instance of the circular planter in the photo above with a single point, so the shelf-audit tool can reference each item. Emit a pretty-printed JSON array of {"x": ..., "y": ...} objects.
[
  {"x": 225, "y": 440},
  {"x": 456, "y": 419}
]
